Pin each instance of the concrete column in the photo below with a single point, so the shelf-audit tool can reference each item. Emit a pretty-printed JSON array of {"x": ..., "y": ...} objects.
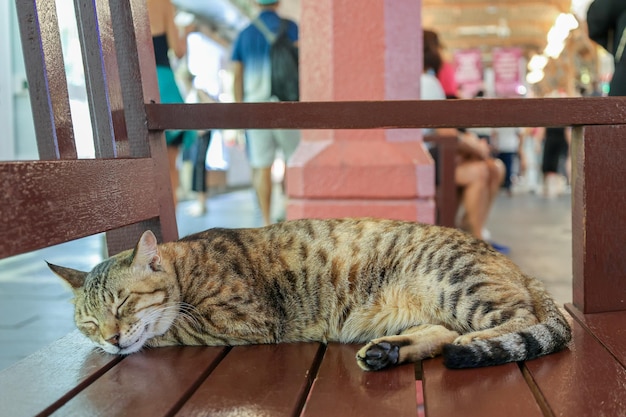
[{"x": 361, "y": 50}]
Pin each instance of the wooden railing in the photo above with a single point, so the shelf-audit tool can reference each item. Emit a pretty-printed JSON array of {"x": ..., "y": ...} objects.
[{"x": 598, "y": 155}]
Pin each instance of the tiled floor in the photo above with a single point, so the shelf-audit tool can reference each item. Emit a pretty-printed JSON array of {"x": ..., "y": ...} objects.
[{"x": 35, "y": 308}]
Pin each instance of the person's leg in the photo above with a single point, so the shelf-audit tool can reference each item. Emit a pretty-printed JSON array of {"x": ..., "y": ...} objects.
[
  {"x": 262, "y": 182},
  {"x": 507, "y": 159},
  {"x": 288, "y": 141},
  {"x": 198, "y": 180},
  {"x": 497, "y": 171},
  {"x": 550, "y": 166},
  {"x": 473, "y": 176},
  {"x": 261, "y": 152}
]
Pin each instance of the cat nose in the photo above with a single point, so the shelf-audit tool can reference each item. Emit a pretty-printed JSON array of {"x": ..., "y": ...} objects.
[{"x": 114, "y": 340}]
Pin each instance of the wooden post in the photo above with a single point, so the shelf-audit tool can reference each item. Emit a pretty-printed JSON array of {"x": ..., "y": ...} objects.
[{"x": 599, "y": 218}]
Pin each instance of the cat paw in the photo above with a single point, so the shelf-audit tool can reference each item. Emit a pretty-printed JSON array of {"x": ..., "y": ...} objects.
[
  {"x": 376, "y": 356},
  {"x": 466, "y": 339}
]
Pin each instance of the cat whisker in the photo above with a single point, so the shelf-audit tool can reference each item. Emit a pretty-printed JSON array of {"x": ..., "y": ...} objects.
[{"x": 174, "y": 312}]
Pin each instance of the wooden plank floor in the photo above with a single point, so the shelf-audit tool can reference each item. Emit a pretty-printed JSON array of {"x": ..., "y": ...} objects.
[
  {"x": 343, "y": 389},
  {"x": 71, "y": 377},
  {"x": 609, "y": 328},
  {"x": 51, "y": 376},
  {"x": 498, "y": 391},
  {"x": 583, "y": 380},
  {"x": 270, "y": 380},
  {"x": 152, "y": 383}
]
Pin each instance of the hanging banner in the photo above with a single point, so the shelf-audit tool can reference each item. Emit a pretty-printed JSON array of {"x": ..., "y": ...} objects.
[
  {"x": 507, "y": 65},
  {"x": 469, "y": 71}
]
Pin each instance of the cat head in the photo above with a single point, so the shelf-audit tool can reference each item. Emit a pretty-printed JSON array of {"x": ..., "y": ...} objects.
[{"x": 125, "y": 300}]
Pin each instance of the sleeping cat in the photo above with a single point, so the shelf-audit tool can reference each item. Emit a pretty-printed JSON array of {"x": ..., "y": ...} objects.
[{"x": 408, "y": 290}]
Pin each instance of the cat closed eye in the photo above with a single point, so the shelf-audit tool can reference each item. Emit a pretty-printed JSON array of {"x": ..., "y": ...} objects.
[
  {"x": 116, "y": 313},
  {"x": 90, "y": 324}
]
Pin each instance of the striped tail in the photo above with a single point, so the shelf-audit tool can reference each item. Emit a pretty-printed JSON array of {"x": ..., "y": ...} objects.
[{"x": 551, "y": 334}]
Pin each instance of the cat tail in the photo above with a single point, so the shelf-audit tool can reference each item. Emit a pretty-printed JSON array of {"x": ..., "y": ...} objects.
[{"x": 551, "y": 334}]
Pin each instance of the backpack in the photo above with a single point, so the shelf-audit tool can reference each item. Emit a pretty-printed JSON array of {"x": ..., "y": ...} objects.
[{"x": 284, "y": 62}]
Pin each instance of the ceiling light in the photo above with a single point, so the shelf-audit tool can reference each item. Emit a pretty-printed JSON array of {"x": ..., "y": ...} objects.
[
  {"x": 553, "y": 50},
  {"x": 567, "y": 21},
  {"x": 534, "y": 77},
  {"x": 537, "y": 62}
]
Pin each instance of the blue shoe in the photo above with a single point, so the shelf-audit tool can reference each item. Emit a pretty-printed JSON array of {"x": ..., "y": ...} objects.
[{"x": 505, "y": 250}]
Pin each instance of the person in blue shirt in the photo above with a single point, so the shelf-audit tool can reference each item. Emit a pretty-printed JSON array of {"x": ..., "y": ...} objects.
[{"x": 252, "y": 83}]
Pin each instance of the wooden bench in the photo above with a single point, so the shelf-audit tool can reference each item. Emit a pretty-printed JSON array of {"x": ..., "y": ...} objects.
[
  {"x": 446, "y": 195},
  {"x": 70, "y": 377},
  {"x": 126, "y": 190}
]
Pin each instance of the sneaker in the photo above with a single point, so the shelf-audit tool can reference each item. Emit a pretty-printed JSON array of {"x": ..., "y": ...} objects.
[
  {"x": 196, "y": 210},
  {"x": 505, "y": 250}
]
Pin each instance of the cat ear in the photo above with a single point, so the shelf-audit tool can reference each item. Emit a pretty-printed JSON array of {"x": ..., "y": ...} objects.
[
  {"x": 147, "y": 252},
  {"x": 72, "y": 276}
]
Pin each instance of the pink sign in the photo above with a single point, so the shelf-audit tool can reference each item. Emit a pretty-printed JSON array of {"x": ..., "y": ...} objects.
[
  {"x": 507, "y": 71},
  {"x": 469, "y": 71}
]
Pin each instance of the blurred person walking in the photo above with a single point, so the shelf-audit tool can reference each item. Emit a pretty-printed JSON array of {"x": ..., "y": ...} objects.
[
  {"x": 508, "y": 143},
  {"x": 253, "y": 83},
  {"x": 197, "y": 155},
  {"x": 166, "y": 36},
  {"x": 606, "y": 22},
  {"x": 555, "y": 160}
]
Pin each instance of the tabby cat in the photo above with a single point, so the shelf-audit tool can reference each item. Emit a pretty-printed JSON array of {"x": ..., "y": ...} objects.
[{"x": 409, "y": 290}]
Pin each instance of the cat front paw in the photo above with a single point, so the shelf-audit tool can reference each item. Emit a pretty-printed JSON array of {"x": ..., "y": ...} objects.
[{"x": 377, "y": 356}]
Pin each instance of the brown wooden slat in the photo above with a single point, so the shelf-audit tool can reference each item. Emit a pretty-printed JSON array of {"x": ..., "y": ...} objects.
[
  {"x": 343, "y": 389},
  {"x": 608, "y": 328},
  {"x": 56, "y": 201},
  {"x": 144, "y": 51},
  {"x": 130, "y": 76},
  {"x": 123, "y": 238},
  {"x": 491, "y": 391},
  {"x": 390, "y": 114},
  {"x": 447, "y": 195},
  {"x": 446, "y": 190},
  {"x": 113, "y": 78},
  {"x": 584, "y": 380},
  {"x": 95, "y": 78},
  {"x": 150, "y": 383},
  {"x": 598, "y": 218},
  {"x": 126, "y": 237},
  {"x": 261, "y": 380},
  {"x": 138, "y": 83},
  {"x": 47, "y": 83},
  {"x": 45, "y": 380}
]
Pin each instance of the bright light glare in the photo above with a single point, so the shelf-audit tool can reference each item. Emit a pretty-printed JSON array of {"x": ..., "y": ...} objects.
[
  {"x": 553, "y": 50},
  {"x": 534, "y": 77},
  {"x": 567, "y": 21},
  {"x": 537, "y": 62},
  {"x": 563, "y": 25}
]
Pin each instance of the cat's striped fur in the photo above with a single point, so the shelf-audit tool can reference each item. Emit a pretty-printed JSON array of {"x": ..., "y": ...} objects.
[{"x": 408, "y": 290}]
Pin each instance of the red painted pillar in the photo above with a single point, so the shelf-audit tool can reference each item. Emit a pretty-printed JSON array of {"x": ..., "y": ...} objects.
[{"x": 361, "y": 50}]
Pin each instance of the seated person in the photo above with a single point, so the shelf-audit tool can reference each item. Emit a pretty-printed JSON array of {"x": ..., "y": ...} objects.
[{"x": 477, "y": 174}]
